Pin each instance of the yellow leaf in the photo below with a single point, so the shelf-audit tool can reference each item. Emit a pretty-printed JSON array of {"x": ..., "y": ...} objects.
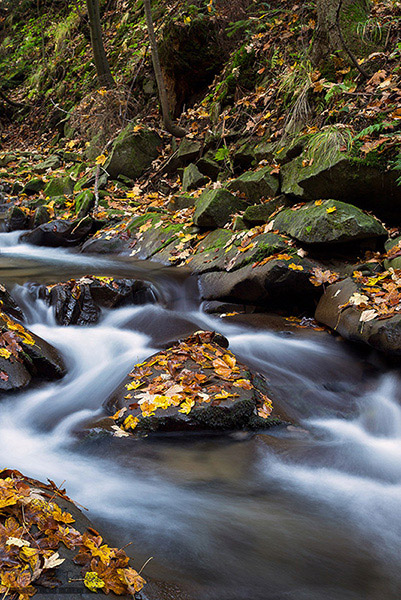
[
  {"x": 5, "y": 353},
  {"x": 93, "y": 581},
  {"x": 331, "y": 209},
  {"x": 130, "y": 422},
  {"x": 318, "y": 202},
  {"x": 295, "y": 267},
  {"x": 101, "y": 159}
]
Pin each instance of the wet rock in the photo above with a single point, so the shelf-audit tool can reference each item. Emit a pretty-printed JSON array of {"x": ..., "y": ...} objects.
[
  {"x": 24, "y": 355},
  {"x": 106, "y": 243},
  {"x": 79, "y": 302},
  {"x": 64, "y": 547},
  {"x": 8, "y": 305},
  {"x": 59, "y": 186},
  {"x": 16, "y": 219},
  {"x": 255, "y": 185},
  {"x": 133, "y": 152},
  {"x": 329, "y": 222},
  {"x": 194, "y": 385},
  {"x": 332, "y": 310},
  {"x": 214, "y": 208},
  {"x": 192, "y": 178},
  {"x": 261, "y": 213},
  {"x": 279, "y": 283},
  {"x": 60, "y": 233}
]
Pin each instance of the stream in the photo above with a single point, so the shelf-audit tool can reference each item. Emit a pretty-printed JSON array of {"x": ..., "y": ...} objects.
[{"x": 304, "y": 513}]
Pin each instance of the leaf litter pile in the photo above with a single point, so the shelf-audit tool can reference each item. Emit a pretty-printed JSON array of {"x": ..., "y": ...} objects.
[
  {"x": 186, "y": 379},
  {"x": 12, "y": 338},
  {"x": 379, "y": 296},
  {"x": 34, "y": 530}
]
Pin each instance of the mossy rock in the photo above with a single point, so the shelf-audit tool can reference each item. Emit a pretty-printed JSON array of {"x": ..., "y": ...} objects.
[
  {"x": 252, "y": 152},
  {"x": 16, "y": 219},
  {"x": 59, "y": 186},
  {"x": 41, "y": 215},
  {"x": 255, "y": 185},
  {"x": 261, "y": 213},
  {"x": 133, "y": 152},
  {"x": 208, "y": 166},
  {"x": 188, "y": 151},
  {"x": 84, "y": 203},
  {"x": 33, "y": 186},
  {"x": 52, "y": 162},
  {"x": 346, "y": 179},
  {"x": 192, "y": 178},
  {"x": 181, "y": 201},
  {"x": 331, "y": 221},
  {"x": 214, "y": 208}
]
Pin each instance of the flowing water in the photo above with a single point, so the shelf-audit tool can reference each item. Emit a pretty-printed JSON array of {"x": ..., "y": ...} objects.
[{"x": 301, "y": 513}]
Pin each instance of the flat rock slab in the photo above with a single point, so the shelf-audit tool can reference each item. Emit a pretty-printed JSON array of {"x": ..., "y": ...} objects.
[
  {"x": 59, "y": 233},
  {"x": 195, "y": 385}
]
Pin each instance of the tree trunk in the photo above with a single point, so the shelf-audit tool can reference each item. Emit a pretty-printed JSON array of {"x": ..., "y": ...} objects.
[
  {"x": 104, "y": 75},
  {"x": 169, "y": 125},
  {"x": 329, "y": 37}
]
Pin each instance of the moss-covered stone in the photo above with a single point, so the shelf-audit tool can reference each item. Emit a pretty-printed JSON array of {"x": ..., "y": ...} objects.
[
  {"x": 192, "y": 178},
  {"x": 33, "y": 186},
  {"x": 59, "y": 186},
  {"x": 188, "y": 151},
  {"x": 208, "y": 166},
  {"x": 343, "y": 178},
  {"x": 52, "y": 162},
  {"x": 260, "y": 213},
  {"x": 252, "y": 152},
  {"x": 255, "y": 185},
  {"x": 330, "y": 221},
  {"x": 16, "y": 219},
  {"x": 41, "y": 215},
  {"x": 214, "y": 208},
  {"x": 84, "y": 203},
  {"x": 133, "y": 152}
]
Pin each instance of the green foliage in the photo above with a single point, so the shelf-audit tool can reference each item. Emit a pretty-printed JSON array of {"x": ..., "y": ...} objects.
[{"x": 222, "y": 153}]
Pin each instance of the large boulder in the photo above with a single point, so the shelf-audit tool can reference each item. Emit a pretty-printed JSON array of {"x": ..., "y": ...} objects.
[
  {"x": 50, "y": 546},
  {"x": 79, "y": 302},
  {"x": 196, "y": 384},
  {"x": 214, "y": 208},
  {"x": 328, "y": 222},
  {"x": 221, "y": 250},
  {"x": 133, "y": 152},
  {"x": 24, "y": 355},
  {"x": 346, "y": 179},
  {"x": 255, "y": 185},
  {"x": 280, "y": 281},
  {"x": 350, "y": 308},
  {"x": 59, "y": 233}
]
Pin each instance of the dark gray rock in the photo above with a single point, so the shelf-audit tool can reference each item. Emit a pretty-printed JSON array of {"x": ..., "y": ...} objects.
[
  {"x": 59, "y": 233},
  {"x": 192, "y": 178},
  {"x": 255, "y": 185},
  {"x": 261, "y": 213},
  {"x": 214, "y": 208},
  {"x": 16, "y": 219}
]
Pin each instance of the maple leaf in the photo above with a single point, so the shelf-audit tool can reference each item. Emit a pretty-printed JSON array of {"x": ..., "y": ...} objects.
[
  {"x": 320, "y": 277},
  {"x": 331, "y": 209},
  {"x": 295, "y": 267}
]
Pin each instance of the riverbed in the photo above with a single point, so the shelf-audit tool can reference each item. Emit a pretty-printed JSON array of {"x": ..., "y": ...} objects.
[{"x": 306, "y": 512}]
